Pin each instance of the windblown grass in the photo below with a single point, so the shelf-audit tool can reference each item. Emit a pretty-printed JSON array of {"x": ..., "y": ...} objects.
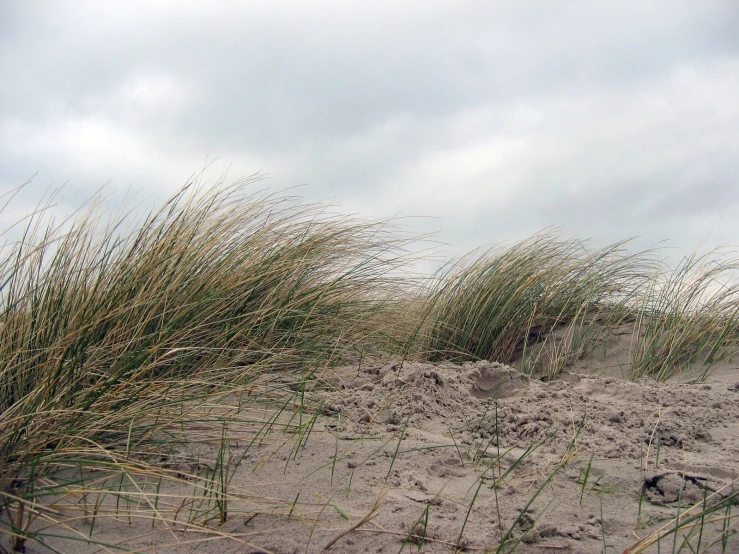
[
  {"x": 498, "y": 304},
  {"x": 115, "y": 334},
  {"x": 546, "y": 302},
  {"x": 688, "y": 316},
  {"x": 103, "y": 334}
]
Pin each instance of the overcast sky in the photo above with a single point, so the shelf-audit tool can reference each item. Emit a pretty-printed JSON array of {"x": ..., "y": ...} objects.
[{"x": 498, "y": 119}]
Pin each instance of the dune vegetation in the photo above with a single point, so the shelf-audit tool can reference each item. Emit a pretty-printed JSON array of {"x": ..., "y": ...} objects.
[
  {"x": 541, "y": 296},
  {"x": 118, "y": 337}
]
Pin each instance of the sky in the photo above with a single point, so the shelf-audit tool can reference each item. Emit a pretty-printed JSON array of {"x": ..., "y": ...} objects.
[{"x": 490, "y": 120}]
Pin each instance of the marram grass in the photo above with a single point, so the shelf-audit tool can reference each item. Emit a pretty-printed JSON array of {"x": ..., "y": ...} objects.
[
  {"x": 547, "y": 299},
  {"x": 101, "y": 334},
  {"x": 495, "y": 304},
  {"x": 117, "y": 336}
]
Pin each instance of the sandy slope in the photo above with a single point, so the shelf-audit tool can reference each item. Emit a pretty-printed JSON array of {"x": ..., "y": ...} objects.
[{"x": 411, "y": 456}]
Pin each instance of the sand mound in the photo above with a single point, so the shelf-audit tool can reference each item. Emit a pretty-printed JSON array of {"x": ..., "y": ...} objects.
[{"x": 434, "y": 457}]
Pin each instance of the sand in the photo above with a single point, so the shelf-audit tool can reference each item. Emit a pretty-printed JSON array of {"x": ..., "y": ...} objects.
[{"x": 409, "y": 457}]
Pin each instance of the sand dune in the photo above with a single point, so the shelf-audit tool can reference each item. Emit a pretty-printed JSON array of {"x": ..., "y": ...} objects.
[{"x": 406, "y": 456}]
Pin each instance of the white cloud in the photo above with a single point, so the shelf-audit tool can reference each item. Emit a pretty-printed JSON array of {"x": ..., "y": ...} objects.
[{"x": 498, "y": 118}]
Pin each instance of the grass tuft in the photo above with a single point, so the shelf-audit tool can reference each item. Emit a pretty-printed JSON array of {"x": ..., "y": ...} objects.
[
  {"x": 120, "y": 337},
  {"x": 499, "y": 304},
  {"x": 106, "y": 337}
]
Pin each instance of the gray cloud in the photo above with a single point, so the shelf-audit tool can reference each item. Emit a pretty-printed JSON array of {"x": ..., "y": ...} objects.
[{"x": 499, "y": 119}]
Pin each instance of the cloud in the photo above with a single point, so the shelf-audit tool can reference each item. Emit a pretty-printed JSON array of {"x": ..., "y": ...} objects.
[{"x": 499, "y": 119}]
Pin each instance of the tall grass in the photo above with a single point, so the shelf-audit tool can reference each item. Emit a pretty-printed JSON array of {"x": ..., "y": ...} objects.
[
  {"x": 100, "y": 329},
  {"x": 545, "y": 302},
  {"x": 688, "y": 316},
  {"x": 497, "y": 304},
  {"x": 112, "y": 328}
]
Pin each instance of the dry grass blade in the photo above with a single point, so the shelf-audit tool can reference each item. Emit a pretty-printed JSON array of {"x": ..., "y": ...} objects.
[{"x": 367, "y": 517}]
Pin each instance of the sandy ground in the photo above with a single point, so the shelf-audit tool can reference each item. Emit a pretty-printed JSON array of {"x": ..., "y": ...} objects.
[{"x": 409, "y": 457}]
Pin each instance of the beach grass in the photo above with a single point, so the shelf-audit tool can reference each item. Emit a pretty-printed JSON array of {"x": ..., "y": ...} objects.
[
  {"x": 106, "y": 338},
  {"x": 688, "y": 316},
  {"x": 546, "y": 302},
  {"x": 119, "y": 335}
]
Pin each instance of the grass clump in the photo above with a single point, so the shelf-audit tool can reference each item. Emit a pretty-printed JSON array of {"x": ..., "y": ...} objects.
[
  {"x": 687, "y": 316},
  {"x": 104, "y": 332},
  {"x": 498, "y": 304}
]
